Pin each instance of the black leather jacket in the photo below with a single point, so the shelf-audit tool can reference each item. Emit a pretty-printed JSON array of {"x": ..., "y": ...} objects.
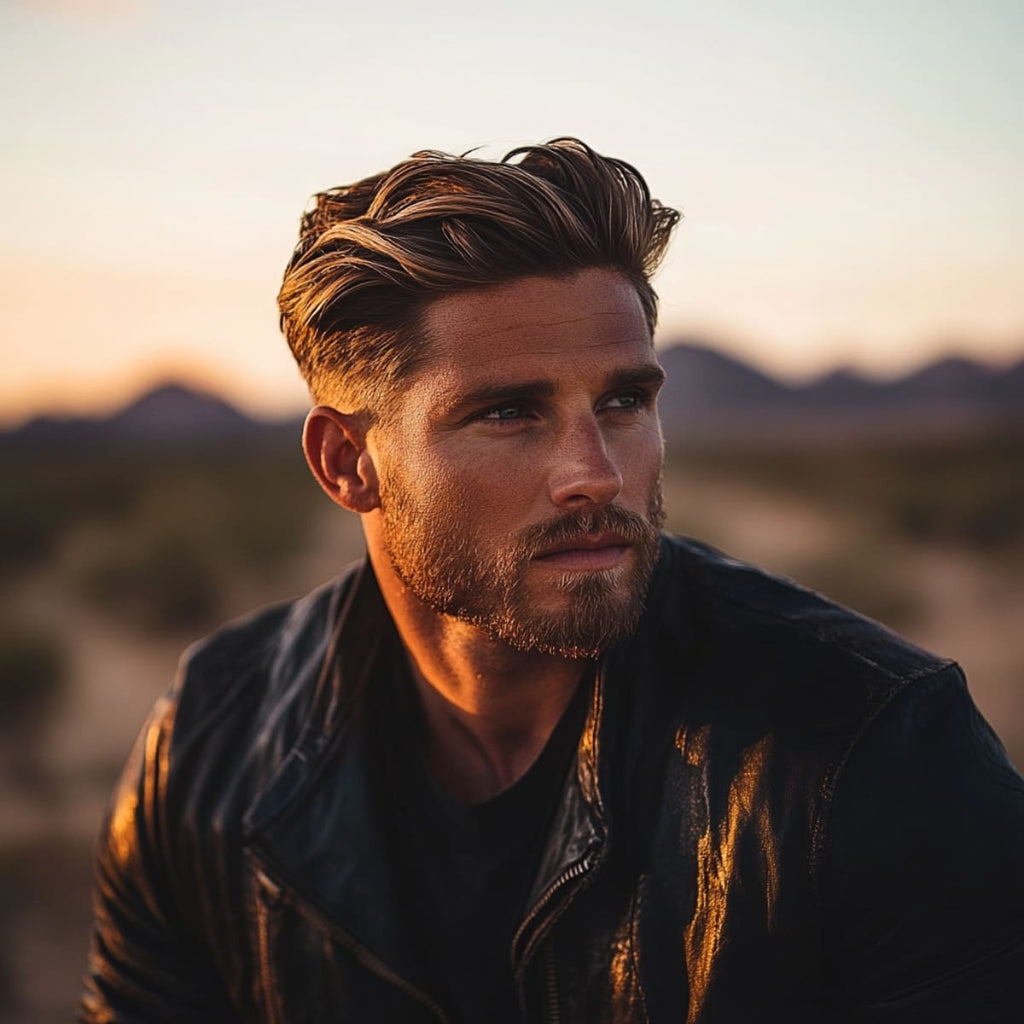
[{"x": 780, "y": 811}]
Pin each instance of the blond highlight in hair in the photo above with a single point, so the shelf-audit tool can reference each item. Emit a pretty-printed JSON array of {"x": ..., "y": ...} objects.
[{"x": 371, "y": 255}]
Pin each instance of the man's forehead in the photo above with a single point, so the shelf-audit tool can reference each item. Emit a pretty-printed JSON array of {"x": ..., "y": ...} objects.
[{"x": 593, "y": 314}]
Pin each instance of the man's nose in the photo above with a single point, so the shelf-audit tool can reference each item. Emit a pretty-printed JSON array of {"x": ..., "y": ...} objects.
[{"x": 583, "y": 470}]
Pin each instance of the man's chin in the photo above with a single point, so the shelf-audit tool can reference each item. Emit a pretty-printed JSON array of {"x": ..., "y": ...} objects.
[
  {"x": 580, "y": 622},
  {"x": 573, "y": 613},
  {"x": 571, "y": 642},
  {"x": 546, "y": 639}
]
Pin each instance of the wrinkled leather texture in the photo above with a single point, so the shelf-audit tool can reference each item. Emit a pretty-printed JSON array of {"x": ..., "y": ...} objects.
[{"x": 780, "y": 811}]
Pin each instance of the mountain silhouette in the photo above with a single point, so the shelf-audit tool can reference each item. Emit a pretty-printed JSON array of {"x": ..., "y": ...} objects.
[
  {"x": 708, "y": 393},
  {"x": 711, "y": 393},
  {"x": 701, "y": 375},
  {"x": 171, "y": 413},
  {"x": 174, "y": 411}
]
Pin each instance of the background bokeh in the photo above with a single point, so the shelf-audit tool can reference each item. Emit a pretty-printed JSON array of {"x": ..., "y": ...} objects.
[{"x": 853, "y": 185}]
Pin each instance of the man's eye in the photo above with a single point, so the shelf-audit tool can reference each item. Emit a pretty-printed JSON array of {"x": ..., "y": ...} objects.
[
  {"x": 502, "y": 413},
  {"x": 627, "y": 400}
]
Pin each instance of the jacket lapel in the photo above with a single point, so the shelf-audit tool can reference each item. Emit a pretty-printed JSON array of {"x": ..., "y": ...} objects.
[{"x": 318, "y": 829}]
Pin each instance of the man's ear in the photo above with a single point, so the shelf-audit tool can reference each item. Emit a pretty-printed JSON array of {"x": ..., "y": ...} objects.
[{"x": 335, "y": 447}]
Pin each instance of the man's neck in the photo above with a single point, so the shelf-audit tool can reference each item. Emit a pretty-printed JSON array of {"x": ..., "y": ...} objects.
[{"x": 488, "y": 709}]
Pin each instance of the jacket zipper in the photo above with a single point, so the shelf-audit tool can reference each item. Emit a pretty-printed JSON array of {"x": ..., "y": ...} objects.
[
  {"x": 551, "y": 981},
  {"x": 361, "y": 953},
  {"x": 581, "y": 867}
]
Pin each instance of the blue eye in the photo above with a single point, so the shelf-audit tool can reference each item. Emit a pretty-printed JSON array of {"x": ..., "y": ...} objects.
[
  {"x": 625, "y": 401},
  {"x": 502, "y": 412},
  {"x": 629, "y": 400}
]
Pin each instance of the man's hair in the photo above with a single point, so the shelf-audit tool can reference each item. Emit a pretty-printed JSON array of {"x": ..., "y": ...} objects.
[{"x": 371, "y": 255}]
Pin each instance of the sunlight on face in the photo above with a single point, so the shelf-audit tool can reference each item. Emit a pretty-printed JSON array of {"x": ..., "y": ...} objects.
[{"x": 521, "y": 479}]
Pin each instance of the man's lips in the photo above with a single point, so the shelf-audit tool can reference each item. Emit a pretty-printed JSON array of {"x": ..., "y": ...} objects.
[{"x": 589, "y": 551}]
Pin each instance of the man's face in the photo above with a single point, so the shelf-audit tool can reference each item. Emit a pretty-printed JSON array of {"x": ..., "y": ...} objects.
[{"x": 520, "y": 475}]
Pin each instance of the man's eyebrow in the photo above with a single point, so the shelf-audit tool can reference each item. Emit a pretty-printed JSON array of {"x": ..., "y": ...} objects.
[
  {"x": 488, "y": 394},
  {"x": 648, "y": 375}
]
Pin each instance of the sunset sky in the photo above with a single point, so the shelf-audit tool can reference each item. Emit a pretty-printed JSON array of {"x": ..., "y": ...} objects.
[{"x": 852, "y": 175}]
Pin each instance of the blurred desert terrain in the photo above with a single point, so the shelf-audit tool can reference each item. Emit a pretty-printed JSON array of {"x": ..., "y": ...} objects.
[{"x": 117, "y": 555}]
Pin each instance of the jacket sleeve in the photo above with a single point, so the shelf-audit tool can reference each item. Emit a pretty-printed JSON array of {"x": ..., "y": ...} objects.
[
  {"x": 923, "y": 877},
  {"x": 144, "y": 963}
]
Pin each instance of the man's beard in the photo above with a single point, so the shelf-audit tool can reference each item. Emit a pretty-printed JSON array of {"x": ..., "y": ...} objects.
[{"x": 440, "y": 562}]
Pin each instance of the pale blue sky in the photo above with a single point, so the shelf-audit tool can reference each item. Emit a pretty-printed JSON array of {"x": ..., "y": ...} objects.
[{"x": 852, "y": 175}]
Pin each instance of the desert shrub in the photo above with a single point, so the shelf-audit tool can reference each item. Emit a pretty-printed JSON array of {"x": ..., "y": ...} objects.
[
  {"x": 253, "y": 500},
  {"x": 33, "y": 674},
  {"x": 161, "y": 583},
  {"x": 166, "y": 530},
  {"x": 965, "y": 490},
  {"x": 47, "y": 493}
]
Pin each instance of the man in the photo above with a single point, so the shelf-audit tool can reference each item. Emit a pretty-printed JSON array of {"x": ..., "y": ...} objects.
[{"x": 533, "y": 761}]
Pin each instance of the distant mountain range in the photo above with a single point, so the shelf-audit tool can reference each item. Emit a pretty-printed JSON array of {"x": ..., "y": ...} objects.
[
  {"x": 708, "y": 394},
  {"x": 167, "y": 414}
]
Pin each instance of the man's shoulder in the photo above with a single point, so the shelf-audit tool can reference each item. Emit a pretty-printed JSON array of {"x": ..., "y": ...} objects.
[
  {"x": 757, "y": 655},
  {"x": 253, "y": 665},
  {"x": 781, "y": 629},
  {"x": 272, "y": 633}
]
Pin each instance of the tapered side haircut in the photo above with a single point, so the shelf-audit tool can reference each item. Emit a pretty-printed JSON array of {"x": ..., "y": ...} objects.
[{"x": 371, "y": 255}]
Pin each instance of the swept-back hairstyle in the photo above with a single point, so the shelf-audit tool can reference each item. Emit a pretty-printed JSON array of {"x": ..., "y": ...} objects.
[{"x": 371, "y": 255}]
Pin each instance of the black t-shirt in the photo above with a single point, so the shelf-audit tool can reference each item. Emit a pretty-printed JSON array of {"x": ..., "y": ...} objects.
[{"x": 467, "y": 869}]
